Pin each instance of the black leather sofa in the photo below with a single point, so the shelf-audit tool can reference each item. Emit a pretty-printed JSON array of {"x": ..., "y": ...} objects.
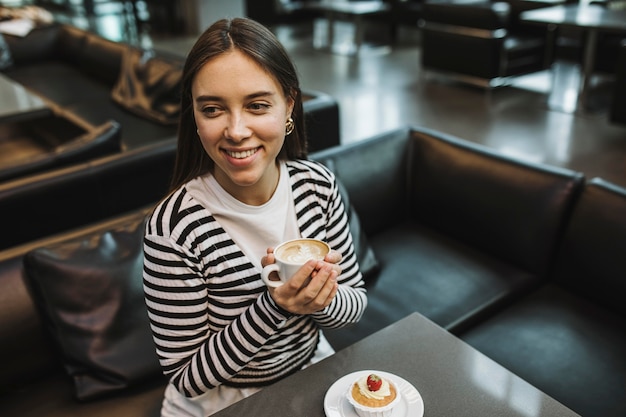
[
  {"x": 80, "y": 71},
  {"x": 98, "y": 80},
  {"x": 49, "y": 203},
  {"x": 523, "y": 261},
  {"x": 54, "y": 141}
]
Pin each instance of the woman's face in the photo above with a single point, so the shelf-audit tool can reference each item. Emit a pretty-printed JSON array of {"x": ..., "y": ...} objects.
[{"x": 240, "y": 111}]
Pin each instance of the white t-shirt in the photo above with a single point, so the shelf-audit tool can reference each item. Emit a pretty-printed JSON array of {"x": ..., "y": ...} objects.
[{"x": 253, "y": 228}]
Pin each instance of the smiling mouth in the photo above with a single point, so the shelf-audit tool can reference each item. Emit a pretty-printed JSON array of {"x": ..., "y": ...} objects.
[{"x": 242, "y": 154}]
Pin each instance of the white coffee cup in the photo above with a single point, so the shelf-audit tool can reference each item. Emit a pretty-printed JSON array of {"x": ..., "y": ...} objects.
[{"x": 290, "y": 256}]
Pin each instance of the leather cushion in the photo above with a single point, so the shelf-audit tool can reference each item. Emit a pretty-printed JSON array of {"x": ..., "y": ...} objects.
[
  {"x": 421, "y": 270},
  {"x": 90, "y": 295}
]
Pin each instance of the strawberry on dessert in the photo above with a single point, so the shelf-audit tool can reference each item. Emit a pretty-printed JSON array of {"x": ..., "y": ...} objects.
[{"x": 374, "y": 382}]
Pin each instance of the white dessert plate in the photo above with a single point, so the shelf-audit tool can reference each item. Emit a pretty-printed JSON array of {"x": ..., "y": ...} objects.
[{"x": 336, "y": 403}]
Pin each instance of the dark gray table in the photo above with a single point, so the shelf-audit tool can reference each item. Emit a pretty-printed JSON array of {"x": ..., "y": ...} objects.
[
  {"x": 353, "y": 11},
  {"x": 591, "y": 18},
  {"x": 18, "y": 103},
  {"x": 453, "y": 378}
]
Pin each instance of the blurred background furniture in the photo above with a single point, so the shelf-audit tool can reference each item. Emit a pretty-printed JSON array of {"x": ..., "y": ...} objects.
[
  {"x": 79, "y": 71},
  {"x": 52, "y": 142},
  {"x": 481, "y": 42},
  {"x": 617, "y": 112},
  {"x": 356, "y": 12},
  {"x": 39, "y": 206},
  {"x": 97, "y": 80},
  {"x": 17, "y": 102},
  {"x": 273, "y": 12},
  {"x": 402, "y": 13},
  {"x": 602, "y": 30}
]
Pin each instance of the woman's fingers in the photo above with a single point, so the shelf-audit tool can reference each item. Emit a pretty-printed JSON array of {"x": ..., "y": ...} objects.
[
  {"x": 333, "y": 257},
  {"x": 308, "y": 291},
  {"x": 269, "y": 258}
]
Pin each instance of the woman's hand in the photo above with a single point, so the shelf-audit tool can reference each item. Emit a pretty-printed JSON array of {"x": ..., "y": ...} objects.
[{"x": 312, "y": 288}]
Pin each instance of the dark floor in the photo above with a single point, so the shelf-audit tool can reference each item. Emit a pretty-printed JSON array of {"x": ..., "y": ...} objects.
[{"x": 384, "y": 88}]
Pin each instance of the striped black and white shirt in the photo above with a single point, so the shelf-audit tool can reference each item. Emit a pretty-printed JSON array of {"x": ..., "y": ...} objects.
[{"x": 212, "y": 318}]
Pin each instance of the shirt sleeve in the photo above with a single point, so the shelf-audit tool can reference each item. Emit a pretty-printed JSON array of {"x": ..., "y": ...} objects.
[
  {"x": 176, "y": 298},
  {"x": 351, "y": 299}
]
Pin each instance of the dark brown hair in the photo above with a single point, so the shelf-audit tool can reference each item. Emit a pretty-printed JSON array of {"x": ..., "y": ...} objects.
[{"x": 260, "y": 44}]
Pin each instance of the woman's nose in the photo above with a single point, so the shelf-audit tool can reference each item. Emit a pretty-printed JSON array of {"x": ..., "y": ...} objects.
[{"x": 237, "y": 128}]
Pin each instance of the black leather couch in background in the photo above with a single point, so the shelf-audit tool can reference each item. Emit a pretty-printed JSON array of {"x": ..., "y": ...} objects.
[
  {"x": 482, "y": 42},
  {"x": 54, "y": 141},
  {"x": 523, "y": 261},
  {"x": 79, "y": 71},
  {"x": 98, "y": 80},
  {"x": 46, "y": 204}
]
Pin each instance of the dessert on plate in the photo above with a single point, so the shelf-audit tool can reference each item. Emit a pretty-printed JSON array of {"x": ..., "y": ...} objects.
[{"x": 373, "y": 396}]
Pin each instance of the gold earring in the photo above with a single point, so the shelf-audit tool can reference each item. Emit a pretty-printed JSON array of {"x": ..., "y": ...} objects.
[{"x": 289, "y": 126}]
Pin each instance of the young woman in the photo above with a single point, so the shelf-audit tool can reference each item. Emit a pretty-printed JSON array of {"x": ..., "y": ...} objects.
[{"x": 241, "y": 186}]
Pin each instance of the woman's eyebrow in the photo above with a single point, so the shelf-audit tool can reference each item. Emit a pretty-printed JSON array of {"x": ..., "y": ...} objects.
[
  {"x": 258, "y": 94},
  {"x": 207, "y": 98}
]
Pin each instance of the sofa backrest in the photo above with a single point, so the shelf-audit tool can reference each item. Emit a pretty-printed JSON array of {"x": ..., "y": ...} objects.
[
  {"x": 99, "y": 57},
  {"x": 508, "y": 208},
  {"x": 374, "y": 172},
  {"x": 592, "y": 258},
  {"x": 89, "y": 52},
  {"x": 63, "y": 199}
]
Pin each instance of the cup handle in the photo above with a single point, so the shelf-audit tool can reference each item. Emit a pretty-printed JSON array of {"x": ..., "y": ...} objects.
[{"x": 265, "y": 275}]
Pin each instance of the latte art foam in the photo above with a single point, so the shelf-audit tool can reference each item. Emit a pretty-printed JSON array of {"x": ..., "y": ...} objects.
[{"x": 299, "y": 252}]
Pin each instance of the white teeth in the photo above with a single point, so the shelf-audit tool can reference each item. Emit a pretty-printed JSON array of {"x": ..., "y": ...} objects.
[{"x": 241, "y": 155}]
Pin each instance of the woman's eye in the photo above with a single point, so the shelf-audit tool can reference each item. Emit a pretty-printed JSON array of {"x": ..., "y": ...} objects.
[
  {"x": 258, "y": 107},
  {"x": 210, "y": 110}
]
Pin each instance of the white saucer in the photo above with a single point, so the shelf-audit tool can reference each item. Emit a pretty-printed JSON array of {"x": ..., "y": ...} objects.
[{"x": 336, "y": 404}]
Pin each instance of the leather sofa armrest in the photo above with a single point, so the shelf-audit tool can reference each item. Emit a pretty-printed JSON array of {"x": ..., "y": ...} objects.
[{"x": 321, "y": 112}]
